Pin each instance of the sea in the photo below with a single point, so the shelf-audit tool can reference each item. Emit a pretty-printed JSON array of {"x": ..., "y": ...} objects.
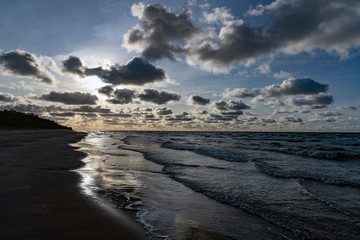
[{"x": 228, "y": 185}]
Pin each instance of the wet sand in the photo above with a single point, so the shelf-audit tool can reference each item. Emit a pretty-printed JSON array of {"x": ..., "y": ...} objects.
[{"x": 40, "y": 197}]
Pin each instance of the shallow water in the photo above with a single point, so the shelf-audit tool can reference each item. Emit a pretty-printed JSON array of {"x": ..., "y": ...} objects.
[{"x": 184, "y": 185}]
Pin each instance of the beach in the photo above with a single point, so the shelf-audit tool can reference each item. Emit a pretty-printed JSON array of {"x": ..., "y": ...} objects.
[
  {"x": 62, "y": 184},
  {"x": 40, "y": 196}
]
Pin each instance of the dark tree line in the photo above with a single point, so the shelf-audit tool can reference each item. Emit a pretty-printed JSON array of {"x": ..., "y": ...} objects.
[{"x": 10, "y": 119}]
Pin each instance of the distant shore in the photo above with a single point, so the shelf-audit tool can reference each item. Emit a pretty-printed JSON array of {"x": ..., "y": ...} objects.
[{"x": 40, "y": 197}]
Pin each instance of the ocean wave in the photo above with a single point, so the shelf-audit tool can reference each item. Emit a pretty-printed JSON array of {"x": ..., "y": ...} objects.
[
  {"x": 226, "y": 155},
  {"x": 281, "y": 173}
]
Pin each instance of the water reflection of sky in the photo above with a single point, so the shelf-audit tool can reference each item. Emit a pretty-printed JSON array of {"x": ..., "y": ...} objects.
[{"x": 99, "y": 179}]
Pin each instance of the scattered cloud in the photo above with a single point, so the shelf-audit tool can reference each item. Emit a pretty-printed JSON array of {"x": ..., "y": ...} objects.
[
  {"x": 277, "y": 102},
  {"x": 106, "y": 90},
  {"x": 264, "y": 68},
  {"x": 290, "y": 87},
  {"x": 283, "y": 75},
  {"x": 231, "y": 106},
  {"x": 158, "y": 97},
  {"x": 347, "y": 108},
  {"x": 90, "y": 109},
  {"x": 329, "y": 114},
  {"x": 293, "y": 119},
  {"x": 218, "y": 15},
  {"x": 314, "y": 101},
  {"x": 7, "y": 97},
  {"x": 137, "y": 71},
  {"x": 295, "y": 26},
  {"x": 197, "y": 100},
  {"x": 70, "y": 98},
  {"x": 22, "y": 63},
  {"x": 162, "y": 34},
  {"x": 163, "y": 111},
  {"x": 122, "y": 96}
]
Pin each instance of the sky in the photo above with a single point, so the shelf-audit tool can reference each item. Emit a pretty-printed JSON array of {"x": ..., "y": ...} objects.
[{"x": 283, "y": 65}]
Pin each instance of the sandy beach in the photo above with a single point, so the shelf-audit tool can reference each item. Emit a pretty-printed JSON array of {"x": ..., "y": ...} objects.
[{"x": 40, "y": 197}]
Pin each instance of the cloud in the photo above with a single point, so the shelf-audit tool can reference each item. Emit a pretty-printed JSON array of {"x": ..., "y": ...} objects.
[
  {"x": 197, "y": 100},
  {"x": 231, "y": 105},
  {"x": 347, "y": 108},
  {"x": 137, "y": 71},
  {"x": 282, "y": 75},
  {"x": 240, "y": 93},
  {"x": 328, "y": 119},
  {"x": 184, "y": 116},
  {"x": 295, "y": 26},
  {"x": 7, "y": 97},
  {"x": 32, "y": 108},
  {"x": 277, "y": 102},
  {"x": 284, "y": 110},
  {"x": 157, "y": 97},
  {"x": 106, "y": 90},
  {"x": 90, "y": 109},
  {"x": 70, "y": 98},
  {"x": 293, "y": 86},
  {"x": 290, "y": 87},
  {"x": 329, "y": 114},
  {"x": 73, "y": 65},
  {"x": 292, "y": 119},
  {"x": 163, "y": 32},
  {"x": 218, "y": 15},
  {"x": 257, "y": 11},
  {"x": 22, "y": 63},
  {"x": 264, "y": 68},
  {"x": 63, "y": 114},
  {"x": 122, "y": 96},
  {"x": 314, "y": 101},
  {"x": 163, "y": 111}
]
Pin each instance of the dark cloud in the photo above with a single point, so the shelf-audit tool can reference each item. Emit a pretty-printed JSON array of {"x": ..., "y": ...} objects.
[
  {"x": 106, "y": 90},
  {"x": 7, "y": 97},
  {"x": 268, "y": 121},
  {"x": 73, "y": 65},
  {"x": 197, "y": 100},
  {"x": 181, "y": 117},
  {"x": 32, "y": 108},
  {"x": 241, "y": 93},
  {"x": 24, "y": 64},
  {"x": 219, "y": 117},
  {"x": 137, "y": 71},
  {"x": 157, "y": 97},
  {"x": 314, "y": 101},
  {"x": 122, "y": 96},
  {"x": 63, "y": 114},
  {"x": 347, "y": 108},
  {"x": 88, "y": 115},
  {"x": 71, "y": 98},
  {"x": 163, "y": 111},
  {"x": 292, "y": 119},
  {"x": 290, "y": 87},
  {"x": 231, "y": 106},
  {"x": 329, "y": 114},
  {"x": 163, "y": 33},
  {"x": 90, "y": 109},
  {"x": 294, "y": 26},
  {"x": 234, "y": 113}
]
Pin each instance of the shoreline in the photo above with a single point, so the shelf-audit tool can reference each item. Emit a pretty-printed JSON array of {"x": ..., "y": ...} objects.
[{"x": 40, "y": 197}]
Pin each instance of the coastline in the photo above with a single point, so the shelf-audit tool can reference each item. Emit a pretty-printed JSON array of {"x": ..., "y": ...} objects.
[{"x": 40, "y": 197}]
